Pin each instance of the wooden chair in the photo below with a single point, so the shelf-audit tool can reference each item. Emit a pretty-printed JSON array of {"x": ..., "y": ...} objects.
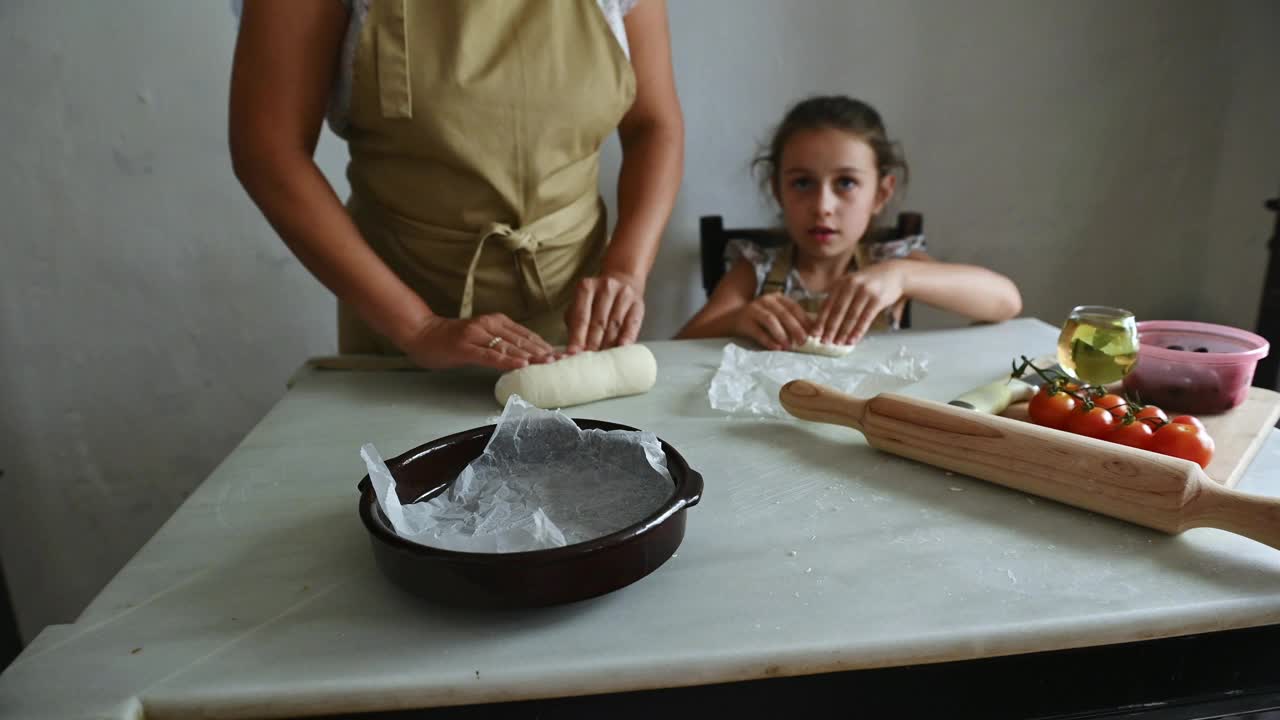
[{"x": 714, "y": 237}]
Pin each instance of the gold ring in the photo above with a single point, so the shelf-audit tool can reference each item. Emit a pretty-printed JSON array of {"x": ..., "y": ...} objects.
[{"x": 494, "y": 342}]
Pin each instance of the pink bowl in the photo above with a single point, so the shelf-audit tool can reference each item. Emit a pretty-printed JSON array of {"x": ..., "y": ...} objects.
[{"x": 1194, "y": 367}]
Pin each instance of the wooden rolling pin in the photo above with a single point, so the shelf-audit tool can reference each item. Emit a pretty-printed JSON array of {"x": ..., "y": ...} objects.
[{"x": 1165, "y": 493}]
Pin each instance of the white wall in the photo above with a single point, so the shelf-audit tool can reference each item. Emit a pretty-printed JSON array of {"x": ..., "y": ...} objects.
[
  {"x": 148, "y": 317},
  {"x": 1095, "y": 151},
  {"x": 1247, "y": 167}
]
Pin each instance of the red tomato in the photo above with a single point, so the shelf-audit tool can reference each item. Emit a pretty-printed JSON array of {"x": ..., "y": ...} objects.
[
  {"x": 1151, "y": 411},
  {"x": 1134, "y": 433},
  {"x": 1051, "y": 410},
  {"x": 1188, "y": 420},
  {"x": 1095, "y": 422},
  {"x": 1118, "y": 406},
  {"x": 1183, "y": 441}
]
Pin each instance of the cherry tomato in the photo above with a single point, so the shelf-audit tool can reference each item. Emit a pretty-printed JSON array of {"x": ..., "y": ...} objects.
[
  {"x": 1151, "y": 411},
  {"x": 1051, "y": 410},
  {"x": 1094, "y": 422},
  {"x": 1118, "y": 406},
  {"x": 1188, "y": 420},
  {"x": 1183, "y": 441},
  {"x": 1134, "y": 433}
]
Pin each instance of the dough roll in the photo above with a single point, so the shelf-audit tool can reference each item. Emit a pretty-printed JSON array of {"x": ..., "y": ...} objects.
[
  {"x": 814, "y": 346},
  {"x": 582, "y": 378}
]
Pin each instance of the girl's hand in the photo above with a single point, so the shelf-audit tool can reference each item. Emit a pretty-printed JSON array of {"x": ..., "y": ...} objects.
[
  {"x": 494, "y": 341},
  {"x": 857, "y": 299},
  {"x": 606, "y": 312},
  {"x": 775, "y": 321}
]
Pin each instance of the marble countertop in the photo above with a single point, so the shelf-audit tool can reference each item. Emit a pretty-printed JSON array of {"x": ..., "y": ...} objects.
[{"x": 809, "y": 552}]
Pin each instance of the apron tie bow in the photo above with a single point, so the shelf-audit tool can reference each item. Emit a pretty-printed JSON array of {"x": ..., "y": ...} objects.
[
  {"x": 523, "y": 244},
  {"x": 514, "y": 239}
]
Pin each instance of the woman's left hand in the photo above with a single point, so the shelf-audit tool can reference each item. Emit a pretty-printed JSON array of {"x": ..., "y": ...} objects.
[
  {"x": 606, "y": 312},
  {"x": 857, "y": 299}
]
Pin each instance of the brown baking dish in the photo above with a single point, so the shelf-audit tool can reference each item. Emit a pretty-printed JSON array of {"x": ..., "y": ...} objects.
[{"x": 522, "y": 579}]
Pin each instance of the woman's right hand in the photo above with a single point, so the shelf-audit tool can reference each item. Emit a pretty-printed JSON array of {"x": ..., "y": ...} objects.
[
  {"x": 775, "y": 321},
  {"x": 494, "y": 341}
]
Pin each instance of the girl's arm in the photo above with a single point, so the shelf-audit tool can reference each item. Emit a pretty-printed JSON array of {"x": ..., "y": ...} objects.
[
  {"x": 969, "y": 290},
  {"x": 859, "y": 297},
  {"x": 608, "y": 309},
  {"x": 774, "y": 320},
  {"x": 718, "y": 317}
]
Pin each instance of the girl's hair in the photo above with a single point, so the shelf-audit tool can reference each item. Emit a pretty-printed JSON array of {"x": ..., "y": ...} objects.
[{"x": 837, "y": 112}]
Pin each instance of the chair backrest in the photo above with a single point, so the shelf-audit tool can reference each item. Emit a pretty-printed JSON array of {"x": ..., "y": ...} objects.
[{"x": 714, "y": 237}]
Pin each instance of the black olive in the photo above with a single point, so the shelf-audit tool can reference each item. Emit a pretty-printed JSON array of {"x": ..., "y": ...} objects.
[
  {"x": 1201, "y": 349},
  {"x": 1176, "y": 347}
]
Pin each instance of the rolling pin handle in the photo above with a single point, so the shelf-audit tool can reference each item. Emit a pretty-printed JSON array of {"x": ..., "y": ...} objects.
[{"x": 818, "y": 403}]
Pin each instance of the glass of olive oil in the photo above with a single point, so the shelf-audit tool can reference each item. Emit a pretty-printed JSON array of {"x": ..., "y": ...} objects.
[{"x": 1098, "y": 345}]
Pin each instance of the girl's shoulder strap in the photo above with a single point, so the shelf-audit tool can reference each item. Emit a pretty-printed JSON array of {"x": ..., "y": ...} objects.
[
  {"x": 861, "y": 255},
  {"x": 776, "y": 280},
  {"x": 865, "y": 252}
]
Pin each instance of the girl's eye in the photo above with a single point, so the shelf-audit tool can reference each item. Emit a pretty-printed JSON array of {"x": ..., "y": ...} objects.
[
  {"x": 846, "y": 183},
  {"x": 800, "y": 183}
]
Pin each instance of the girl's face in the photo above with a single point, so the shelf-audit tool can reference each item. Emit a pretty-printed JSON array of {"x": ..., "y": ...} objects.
[{"x": 829, "y": 188}]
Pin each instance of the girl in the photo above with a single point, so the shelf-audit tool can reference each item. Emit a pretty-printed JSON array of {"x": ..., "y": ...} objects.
[{"x": 831, "y": 168}]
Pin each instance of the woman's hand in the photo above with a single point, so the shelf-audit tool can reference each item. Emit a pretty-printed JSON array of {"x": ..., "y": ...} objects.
[
  {"x": 494, "y": 341},
  {"x": 606, "y": 312},
  {"x": 775, "y": 321},
  {"x": 857, "y": 299}
]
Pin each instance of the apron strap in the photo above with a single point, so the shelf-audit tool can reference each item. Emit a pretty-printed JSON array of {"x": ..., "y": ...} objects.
[
  {"x": 394, "y": 89},
  {"x": 776, "y": 280},
  {"x": 861, "y": 255}
]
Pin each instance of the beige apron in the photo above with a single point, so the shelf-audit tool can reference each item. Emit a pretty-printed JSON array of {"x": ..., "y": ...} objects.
[
  {"x": 775, "y": 281},
  {"x": 475, "y": 136}
]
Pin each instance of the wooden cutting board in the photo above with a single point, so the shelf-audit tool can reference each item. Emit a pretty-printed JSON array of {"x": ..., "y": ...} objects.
[{"x": 1237, "y": 433}]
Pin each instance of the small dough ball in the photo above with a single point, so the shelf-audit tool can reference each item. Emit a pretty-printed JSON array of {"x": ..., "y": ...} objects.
[
  {"x": 582, "y": 378},
  {"x": 814, "y": 346}
]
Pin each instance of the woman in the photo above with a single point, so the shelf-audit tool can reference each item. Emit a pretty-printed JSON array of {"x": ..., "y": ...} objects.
[{"x": 475, "y": 233}]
